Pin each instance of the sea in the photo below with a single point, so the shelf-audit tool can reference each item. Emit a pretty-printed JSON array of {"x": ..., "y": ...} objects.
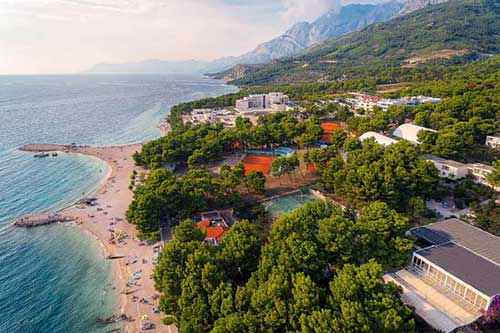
[{"x": 56, "y": 278}]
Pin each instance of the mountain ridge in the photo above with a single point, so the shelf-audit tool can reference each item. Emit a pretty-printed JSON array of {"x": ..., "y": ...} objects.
[
  {"x": 456, "y": 29},
  {"x": 297, "y": 38}
]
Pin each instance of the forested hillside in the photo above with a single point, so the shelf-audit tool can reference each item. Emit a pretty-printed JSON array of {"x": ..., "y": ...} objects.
[{"x": 448, "y": 33}]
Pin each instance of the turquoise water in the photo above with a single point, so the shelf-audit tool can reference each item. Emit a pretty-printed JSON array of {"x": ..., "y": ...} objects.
[{"x": 55, "y": 279}]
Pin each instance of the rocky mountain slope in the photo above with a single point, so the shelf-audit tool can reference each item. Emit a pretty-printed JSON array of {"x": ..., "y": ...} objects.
[
  {"x": 299, "y": 37},
  {"x": 304, "y": 34},
  {"x": 459, "y": 28}
]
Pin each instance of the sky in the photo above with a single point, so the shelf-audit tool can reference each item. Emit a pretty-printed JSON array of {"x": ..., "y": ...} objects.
[{"x": 69, "y": 36}]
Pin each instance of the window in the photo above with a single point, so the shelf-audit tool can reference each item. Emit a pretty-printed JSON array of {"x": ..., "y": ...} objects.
[
  {"x": 440, "y": 277},
  {"x": 432, "y": 272},
  {"x": 460, "y": 289},
  {"x": 481, "y": 302},
  {"x": 452, "y": 284},
  {"x": 470, "y": 295}
]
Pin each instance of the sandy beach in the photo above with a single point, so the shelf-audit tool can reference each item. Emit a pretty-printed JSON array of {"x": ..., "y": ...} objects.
[{"x": 111, "y": 202}]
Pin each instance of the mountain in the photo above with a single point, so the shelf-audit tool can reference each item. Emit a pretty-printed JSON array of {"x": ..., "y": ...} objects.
[
  {"x": 413, "y": 5},
  {"x": 300, "y": 36},
  {"x": 459, "y": 28},
  {"x": 334, "y": 23}
]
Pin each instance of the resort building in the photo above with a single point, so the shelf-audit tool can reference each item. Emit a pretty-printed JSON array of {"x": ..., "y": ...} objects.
[
  {"x": 453, "y": 275},
  {"x": 201, "y": 116},
  {"x": 480, "y": 171},
  {"x": 210, "y": 116},
  {"x": 215, "y": 224},
  {"x": 379, "y": 138},
  {"x": 448, "y": 168},
  {"x": 410, "y": 132},
  {"x": 493, "y": 141},
  {"x": 361, "y": 101},
  {"x": 368, "y": 102},
  {"x": 274, "y": 101},
  {"x": 418, "y": 100}
]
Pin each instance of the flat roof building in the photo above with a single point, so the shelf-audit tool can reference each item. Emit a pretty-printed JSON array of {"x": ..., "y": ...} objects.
[
  {"x": 448, "y": 168},
  {"x": 274, "y": 101},
  {"x": 456, "y": 273},
  {"x": 480, "y": 173},
  {"x": 462, "y": 258},
  {"x": 493, "y": 141}
]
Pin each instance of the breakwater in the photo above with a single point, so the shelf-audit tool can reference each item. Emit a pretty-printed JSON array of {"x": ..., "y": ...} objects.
[{"x": 40, "y": 221}]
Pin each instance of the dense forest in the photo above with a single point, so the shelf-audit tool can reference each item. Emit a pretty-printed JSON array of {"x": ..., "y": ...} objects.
[
  {"x": 319, "y": 270},
  {"x": 197, "y": 145}
]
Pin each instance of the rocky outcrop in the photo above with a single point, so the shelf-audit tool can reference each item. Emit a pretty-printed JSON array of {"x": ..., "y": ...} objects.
[
  {"x": 304, "y": 34},
  {"x": 413, "y": 5}
]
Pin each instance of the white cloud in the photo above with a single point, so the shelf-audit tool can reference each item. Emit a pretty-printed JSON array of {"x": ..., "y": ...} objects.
[{"x": 300, "y": 10}]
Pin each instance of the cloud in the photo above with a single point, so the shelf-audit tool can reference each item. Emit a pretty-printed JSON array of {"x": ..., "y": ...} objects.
[{"x": 307, "y": 10}]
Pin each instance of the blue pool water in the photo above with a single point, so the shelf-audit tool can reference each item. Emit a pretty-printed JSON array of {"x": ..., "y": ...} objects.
[{"x": 55, "y": 278}]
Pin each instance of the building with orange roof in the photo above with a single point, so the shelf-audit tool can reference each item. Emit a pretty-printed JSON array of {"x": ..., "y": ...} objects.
[{"x": 215, "y": 224}]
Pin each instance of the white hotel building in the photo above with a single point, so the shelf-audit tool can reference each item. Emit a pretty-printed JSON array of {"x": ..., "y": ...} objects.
[{"x": 274, "y": 101}]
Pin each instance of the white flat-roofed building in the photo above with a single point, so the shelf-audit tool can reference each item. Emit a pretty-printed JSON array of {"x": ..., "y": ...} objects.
[
  {"x": 384, "y": 104},
  {"x": 273, "y": 101},
  {"x": 379, "y": 138},
  {"x": 369, "y": 102},
  {"x": 453, "y": 275},
  {"x": 448, "y": 168},
  {"x": 468, "y": 257},
  {"x": 480, "y": 171},
  {"x": 410, "y": 132},
  {"x": 211, "y": 116},
  {"x": 418, "y": 100},
  {"x": 200, "y": 116},
  {"x": 493, "y": 141}
]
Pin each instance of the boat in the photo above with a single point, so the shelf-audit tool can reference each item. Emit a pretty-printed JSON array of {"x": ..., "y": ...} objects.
[
  {"x": 41, "y": 155},
  {"x": 54, "y": 154}
]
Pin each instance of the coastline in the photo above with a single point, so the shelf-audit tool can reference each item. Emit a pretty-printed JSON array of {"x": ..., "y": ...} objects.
[{"x": 112, "y": 200}]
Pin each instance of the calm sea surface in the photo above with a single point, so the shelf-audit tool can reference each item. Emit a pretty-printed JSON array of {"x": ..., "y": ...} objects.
[{"x": 55, "y": 278}]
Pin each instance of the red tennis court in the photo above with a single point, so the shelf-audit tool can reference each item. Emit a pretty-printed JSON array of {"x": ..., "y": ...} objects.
[
  {"x": 328, "y": 129},
  {"x": 258, "y": 163}
]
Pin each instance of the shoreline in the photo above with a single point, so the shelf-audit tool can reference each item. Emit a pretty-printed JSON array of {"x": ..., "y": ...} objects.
[{"x": 112, "y": 199}]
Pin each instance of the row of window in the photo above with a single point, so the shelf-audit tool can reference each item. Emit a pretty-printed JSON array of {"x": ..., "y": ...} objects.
[{"x": 450, "y": 283}]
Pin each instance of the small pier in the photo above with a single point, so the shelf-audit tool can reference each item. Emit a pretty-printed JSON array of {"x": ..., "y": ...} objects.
[{"x": 27, "y": 222}]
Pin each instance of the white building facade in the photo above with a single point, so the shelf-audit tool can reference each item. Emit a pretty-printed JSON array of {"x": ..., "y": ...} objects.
[
  {"x": 493, "y": 141},
  {"x": 448, "y": 168},
  {"x": 274, "y": 101},
  {"x": 480, "y": 173}
]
